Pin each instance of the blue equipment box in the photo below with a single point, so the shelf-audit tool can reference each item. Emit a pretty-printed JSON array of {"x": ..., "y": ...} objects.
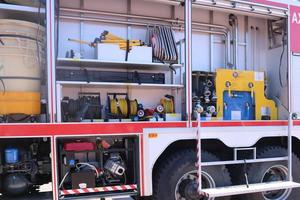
[{"x": 238, "y": 106}]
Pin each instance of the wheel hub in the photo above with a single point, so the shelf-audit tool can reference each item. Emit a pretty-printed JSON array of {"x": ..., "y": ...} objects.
[
  {"x": 187, "y": 186},
  {"x": 276, "y": 173}
]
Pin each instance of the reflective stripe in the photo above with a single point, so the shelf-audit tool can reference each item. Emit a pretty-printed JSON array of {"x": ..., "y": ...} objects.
[{"x": 99, "y": 189}]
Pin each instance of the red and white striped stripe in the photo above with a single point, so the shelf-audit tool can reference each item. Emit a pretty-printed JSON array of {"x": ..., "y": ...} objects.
[
  {"x": 198, "y": 164},
  {"x": 98, "y": 189},
  {"x": 199, "y": 157}
]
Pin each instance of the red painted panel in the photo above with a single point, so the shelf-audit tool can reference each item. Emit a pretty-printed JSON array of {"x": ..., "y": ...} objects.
[
  {"x": 295, "y": 29},
  {"x": 69, "y": 129},
  {"x": 82, "y": 128}
]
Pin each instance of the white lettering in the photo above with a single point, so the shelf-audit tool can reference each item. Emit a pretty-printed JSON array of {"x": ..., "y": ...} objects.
[{"x": 296, "y": 18}]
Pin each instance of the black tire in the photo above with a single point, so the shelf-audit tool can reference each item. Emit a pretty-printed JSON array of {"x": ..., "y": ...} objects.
[
  {"x": 257, "y": 171},
  {"x": 181, "y": 163}
]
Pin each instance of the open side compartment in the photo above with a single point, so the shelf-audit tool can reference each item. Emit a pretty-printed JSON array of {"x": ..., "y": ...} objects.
[
  {"x": 98, "y": 166},
  {"x": 23, "y": 55},
  {"x": 246, "y": 78},
  {"x": 137, "y": 83},
  {"x": 253, "y": 45},
  {"x": 25, "y": 168}
]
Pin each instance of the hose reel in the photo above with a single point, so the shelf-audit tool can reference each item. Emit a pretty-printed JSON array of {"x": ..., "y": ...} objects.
[
  {"x": 122, "y": 107},
  {"x": 168, "y": 104},
  {"x": 86, "y": 107}
]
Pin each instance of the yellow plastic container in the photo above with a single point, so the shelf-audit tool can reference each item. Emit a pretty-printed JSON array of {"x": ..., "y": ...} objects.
[
  {"x": 21, "y": 62},
  {"x": 20, "y": 103}
]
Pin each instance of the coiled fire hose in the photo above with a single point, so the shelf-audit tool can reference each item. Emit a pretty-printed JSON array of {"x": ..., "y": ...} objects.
[
  {"x": 123, "y": 107},
  {"x": 168, "y": 105},
  {"x": 133, "y": 105}
]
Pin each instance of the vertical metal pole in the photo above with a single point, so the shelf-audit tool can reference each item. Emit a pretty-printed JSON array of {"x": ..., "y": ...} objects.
[
  {"x": 58, "y": 104},
  {"x": 246, "y": 41},
  {"x": 50, "y": 17},
  {"x": 211, "y": 38},
  {"x": 81, "y": 27},
  {"x": 50, "y": 21},
  {"x": 228, "y": 49},
  {"x": 254, "y": 48},
  {"x": 188, "y": 59},
  {"x": 290, "y": 161},
  {"x": 199, "y": 156},
  {"x": 129, "y": 7},
  {"x": 236, "y": 44},
  {"x": 290, "y": 72}
]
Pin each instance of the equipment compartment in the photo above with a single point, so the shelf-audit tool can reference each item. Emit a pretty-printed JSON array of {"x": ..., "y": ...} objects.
[
  {"x": 25, "y": 168},
  {"x": 23, "y": 71},
  {"x": 144, "y": 65},
  {"x": 247, "y": 44},
  {"x": 98, "y": 162}
]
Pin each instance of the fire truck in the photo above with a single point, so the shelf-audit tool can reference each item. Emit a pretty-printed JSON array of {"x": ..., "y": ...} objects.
[{"x": 150, "y": 99}]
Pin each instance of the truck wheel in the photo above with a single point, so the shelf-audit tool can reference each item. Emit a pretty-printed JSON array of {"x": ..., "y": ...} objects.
[
  {"x": 273, "y": 171},
  {"x": 176, "y": 179}
]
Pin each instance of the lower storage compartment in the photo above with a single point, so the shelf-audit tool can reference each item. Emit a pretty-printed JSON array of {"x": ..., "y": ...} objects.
[
  {"x": 25, "y": 168},
  {"x": 97, "y": 166}
]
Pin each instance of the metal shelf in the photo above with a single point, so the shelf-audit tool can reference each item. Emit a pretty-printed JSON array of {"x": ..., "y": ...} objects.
[
  {"x": 114, "y": 64},
  {"x": 112, "y": 84},
  {"x": 267, "y": 9},
  {"x": 12, "y": 9},
  {"x": 20, "y": 9}
]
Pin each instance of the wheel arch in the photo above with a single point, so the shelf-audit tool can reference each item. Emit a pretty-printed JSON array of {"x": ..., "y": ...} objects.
[
  {"x": 210, "y": 145},
  {"x": 279, "y": 141}
]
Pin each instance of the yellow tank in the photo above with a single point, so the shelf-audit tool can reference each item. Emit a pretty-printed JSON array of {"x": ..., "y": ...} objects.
[
  {"x": 21, "y": 56},
  {"x": 244, "y": 81}
]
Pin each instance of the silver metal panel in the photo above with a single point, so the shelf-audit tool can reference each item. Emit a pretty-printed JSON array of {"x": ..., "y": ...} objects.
[
  {"x": 188, "y": 59},
  {"x": 51, "y": 59},
  {"x": 253, "y": 188},
  {"x": 295, "y": 85},
  {"x": 234, "y": 162},
  {"x": 114, "y": 64},
  {"x": 107, "y": 84}
]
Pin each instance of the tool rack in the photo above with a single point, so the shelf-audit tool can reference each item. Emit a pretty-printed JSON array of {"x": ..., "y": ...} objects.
[
  {"x": 174, "y": 72},
  {"x": 175, "y": 85}
]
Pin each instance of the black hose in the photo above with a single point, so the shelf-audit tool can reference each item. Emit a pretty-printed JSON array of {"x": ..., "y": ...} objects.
[
  {"x": 3, "y": 84},
  {"x": 19, "y": 120},
  {"x": 18, "y": 36},
  {"x": 280, "y": 64}
]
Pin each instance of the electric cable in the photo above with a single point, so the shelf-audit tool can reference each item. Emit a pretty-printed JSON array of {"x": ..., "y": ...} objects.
[
  {"x": 63, "y": 180},
  {"x": 19, "y": 120},
  {"x": 3, "y": 85},
  {"x": 88, "y": 165},
  {"x": 280, "y": 63},
  {"x": 78, "y": 168}
]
